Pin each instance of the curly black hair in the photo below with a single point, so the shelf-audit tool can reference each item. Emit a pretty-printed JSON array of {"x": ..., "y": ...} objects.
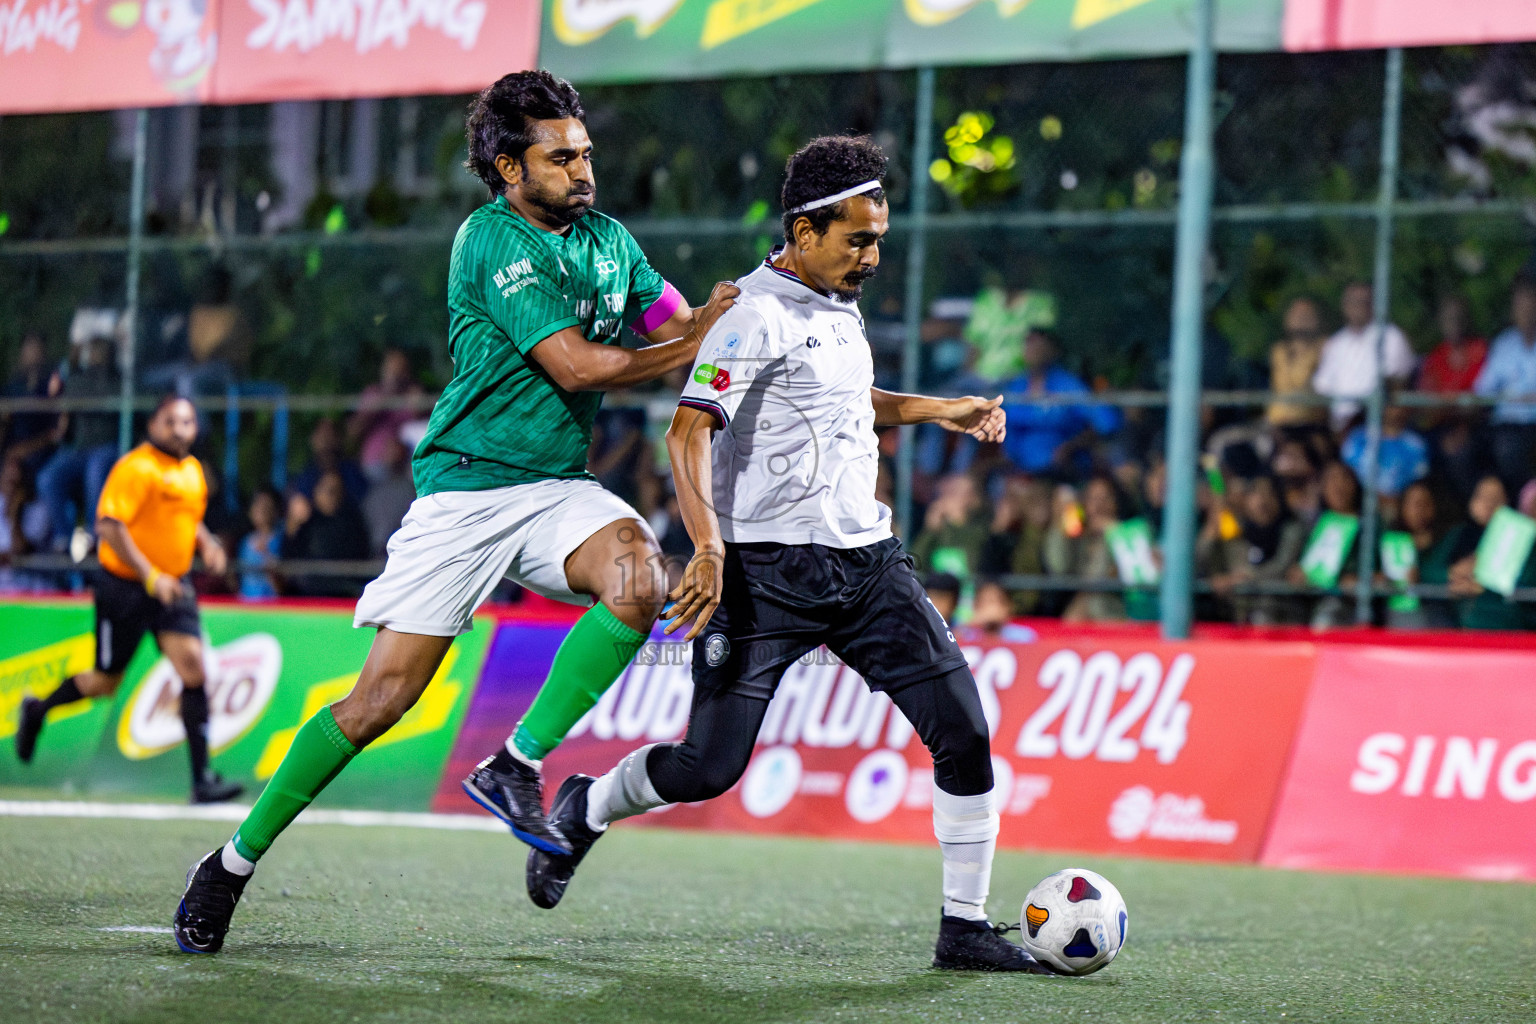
[
  {"x": 824, "y": 167},
  {"x": 500, "y": 117}
]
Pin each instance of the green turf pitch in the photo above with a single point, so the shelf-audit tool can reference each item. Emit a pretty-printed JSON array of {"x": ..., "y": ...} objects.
[{"x": 375, "y": 924}]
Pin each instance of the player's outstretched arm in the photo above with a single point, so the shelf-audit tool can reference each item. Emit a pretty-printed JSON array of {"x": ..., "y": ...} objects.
[
  {"x": 577, "y": 364},
  {"x": 698, "y": 593},
  {"x": 982, "y": 418}
]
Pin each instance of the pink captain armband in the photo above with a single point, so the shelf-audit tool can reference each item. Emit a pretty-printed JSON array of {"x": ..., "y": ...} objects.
[{"x": 661, "y": 310}]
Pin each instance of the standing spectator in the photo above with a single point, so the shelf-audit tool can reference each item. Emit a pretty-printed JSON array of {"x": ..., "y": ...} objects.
[
  {"x": 29, "y": 437},
  {"x": 1051, "y": 438},
  {"x": 325, "y": 529},
  {"x": 1347, "y": 371},
  {"x": 327, "y": 456},
  {"x": 1510, "y": 376},
  {"x": 70, "y": 482},
  {"x": 1451, "y": 368},
  {"x": 389, "y": 498},
  {"x": 1293, "y": 363},
  {"x": 261, "y": 548},
  {"x": 374, "y": 428}
]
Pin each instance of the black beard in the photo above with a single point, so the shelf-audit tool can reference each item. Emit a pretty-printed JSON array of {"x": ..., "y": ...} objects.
[
  {"x": 853, "y": 286},
  {"x": 561, "y": 211}
]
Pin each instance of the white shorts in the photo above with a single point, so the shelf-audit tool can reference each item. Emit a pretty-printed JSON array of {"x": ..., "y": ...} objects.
[{"x": 454, "y": 547}]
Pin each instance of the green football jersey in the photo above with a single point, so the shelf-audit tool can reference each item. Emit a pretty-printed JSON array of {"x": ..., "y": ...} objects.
[{"x": 502, "y": 420}]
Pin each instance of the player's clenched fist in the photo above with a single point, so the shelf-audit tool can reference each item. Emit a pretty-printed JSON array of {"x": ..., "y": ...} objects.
[{"x": 698, "y": 594}]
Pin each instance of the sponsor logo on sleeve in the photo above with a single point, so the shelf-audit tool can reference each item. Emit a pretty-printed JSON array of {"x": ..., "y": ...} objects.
[{"x": 514, "y": 277}]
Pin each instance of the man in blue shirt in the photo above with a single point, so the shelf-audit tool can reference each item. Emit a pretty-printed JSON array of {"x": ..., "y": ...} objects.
[
  {"x": 1402, "y": 458},
  {"x": 1510, "y": 375},
  {"x": 1043, "y": 438}
]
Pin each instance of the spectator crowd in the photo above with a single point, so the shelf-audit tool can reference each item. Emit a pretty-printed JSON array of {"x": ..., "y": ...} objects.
[{"x": 1061, "y": 519}]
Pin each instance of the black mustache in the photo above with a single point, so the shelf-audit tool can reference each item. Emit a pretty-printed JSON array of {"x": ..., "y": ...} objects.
[{"x": 860, "y": 276}]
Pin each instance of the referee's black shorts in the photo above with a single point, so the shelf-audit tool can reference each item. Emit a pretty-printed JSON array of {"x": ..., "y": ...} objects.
[
  {"x": 780, "y": 601},
  {"x": 125, "y": 612}
]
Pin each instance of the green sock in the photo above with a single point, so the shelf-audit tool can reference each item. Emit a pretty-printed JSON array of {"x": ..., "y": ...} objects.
[
  {"x": 590, "y": 658},
  {"x": 319, "y": 752}
]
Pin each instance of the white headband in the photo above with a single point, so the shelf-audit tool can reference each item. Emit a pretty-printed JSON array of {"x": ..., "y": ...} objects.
[{"x": 868, "y": 186}]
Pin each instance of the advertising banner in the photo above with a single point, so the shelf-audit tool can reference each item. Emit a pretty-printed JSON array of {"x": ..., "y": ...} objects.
[
  {"x": 1118, "y": 746},
  {"x": 1414, "y": 761},
  {"x": 268, "y": 670},
  {"x": 1370, "y": 24},
  {"x": 103, "y": 54},
  {"x": 592, "y": 41}
]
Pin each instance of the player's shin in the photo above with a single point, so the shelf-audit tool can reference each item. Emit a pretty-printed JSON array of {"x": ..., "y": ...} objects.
[
  {"x": 194, "y": 719},
  {"x": 966, "y": 827},
  {"x": 319, "y": 752},
  {"x": 590, "y": 658},
  {"x": 624, "y": 792}
]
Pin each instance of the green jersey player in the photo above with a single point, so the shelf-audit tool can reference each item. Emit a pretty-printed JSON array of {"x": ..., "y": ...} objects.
[{"x": 540, "y": 289}]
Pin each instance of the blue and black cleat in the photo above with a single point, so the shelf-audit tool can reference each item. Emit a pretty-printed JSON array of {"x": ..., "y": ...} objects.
[
  {"x": 514, "y": 791},
  {"x": 548, "y": 874},
  {"x": 202, "y": 918}
]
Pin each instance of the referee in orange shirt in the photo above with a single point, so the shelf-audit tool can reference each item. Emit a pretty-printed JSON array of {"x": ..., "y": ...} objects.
[{"x": 149, "y": 523}]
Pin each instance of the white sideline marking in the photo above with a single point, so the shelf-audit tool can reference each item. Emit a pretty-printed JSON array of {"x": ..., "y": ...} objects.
[
  {"x": 150, "y": 929},
  {"x": 236, "y": 812}
]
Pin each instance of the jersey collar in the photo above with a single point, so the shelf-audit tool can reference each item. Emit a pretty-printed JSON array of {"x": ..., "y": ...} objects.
[{"x": 802, "y": 292}]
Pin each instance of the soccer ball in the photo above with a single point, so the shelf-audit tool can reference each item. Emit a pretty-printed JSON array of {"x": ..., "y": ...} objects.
[{"x": 1074, "y": 921}]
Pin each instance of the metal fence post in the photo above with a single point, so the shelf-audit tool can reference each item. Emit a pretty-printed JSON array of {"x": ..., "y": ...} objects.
[
  {"x": 127, "y": 359},
  {"x": 1381, "y": 292},
  {"x": 917, "y": 258},
  {"x": 1196, "y": 184}
]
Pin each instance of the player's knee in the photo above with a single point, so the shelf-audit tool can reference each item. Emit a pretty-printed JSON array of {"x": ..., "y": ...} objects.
[{"x": 962, "y": 762}]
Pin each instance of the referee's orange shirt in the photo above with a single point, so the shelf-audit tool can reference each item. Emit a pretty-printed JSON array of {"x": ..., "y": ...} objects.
[{"x": 161, "y": 500}]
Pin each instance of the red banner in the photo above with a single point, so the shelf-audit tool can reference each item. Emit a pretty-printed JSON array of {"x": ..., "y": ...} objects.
[
  {"x": 1414, "y": 761},
  {"x": 103, "y": 54},
  {"x": 1116, "y": 745},
  {"x": 1371, "y": 24}
]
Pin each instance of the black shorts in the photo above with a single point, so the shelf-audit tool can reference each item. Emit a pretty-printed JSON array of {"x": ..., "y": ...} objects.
[
  {"x": 125, "y": 612},
  {"x": 781, "y": 601}
]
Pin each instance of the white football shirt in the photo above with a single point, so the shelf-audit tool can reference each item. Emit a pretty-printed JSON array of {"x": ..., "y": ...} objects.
[{"x": 786, "y": 373}]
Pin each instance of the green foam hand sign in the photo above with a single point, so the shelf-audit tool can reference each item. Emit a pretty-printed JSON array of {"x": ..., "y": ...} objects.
[
  {"x": 1323, "y": 560},
  {"x": 1503, "y": 551},
  {"x": 1134, "y": 548},
  {"x": 1399, "y": 558}
]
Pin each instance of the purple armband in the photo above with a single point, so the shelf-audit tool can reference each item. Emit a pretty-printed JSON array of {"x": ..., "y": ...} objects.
[{"x": 661, "y": 310}]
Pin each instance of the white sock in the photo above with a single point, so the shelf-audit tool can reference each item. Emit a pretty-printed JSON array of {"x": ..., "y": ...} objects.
[
  {"x": 966, "y": 827},
  {"x": 623, "y": 793},
  {"x": 234, "y": 863},
  {"x": 538, "y": 766}
]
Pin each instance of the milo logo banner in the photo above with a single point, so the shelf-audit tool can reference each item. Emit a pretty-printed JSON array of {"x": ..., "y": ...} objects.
[
  {"x": 1108, "y": 745},
  {"x": 635, "y": 40},
  {"x": 267, "y": 671}
]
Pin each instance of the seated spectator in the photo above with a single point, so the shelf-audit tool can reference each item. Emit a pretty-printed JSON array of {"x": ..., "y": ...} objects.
[
  {"x": 1293, "y": 362},
  {"x": 1454, "y": 562},
  {"x": 1015, "y": 544},
  {"x": 1510, "y": 375},
  {"x": 327, "y": 529},
  {"x": 954, "y": 529},
  {"x": 389, "y": 498},
  {"x": 1340, "y": 491},
  {"x": 1076, "y": 546},
  {"x": 327, "y": 456},
  {"x": 1051, "y": 438},
  {"x": 70, "y": 481},
  {"x": 1267, "y": 548},
  {"x": 1295, "y": 467},
  {"x": 30, "y": 437},
  {"x": 1347, "y": 370},
  {"x": 261, "y": 547},
  {"x": 943, "y": 591},
  {"x": 1418, "y": 515},
  {"x": 24, "y": 527},
  {"x": 373, "y": 428},
  {"x": 1401, "y": 458}
]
